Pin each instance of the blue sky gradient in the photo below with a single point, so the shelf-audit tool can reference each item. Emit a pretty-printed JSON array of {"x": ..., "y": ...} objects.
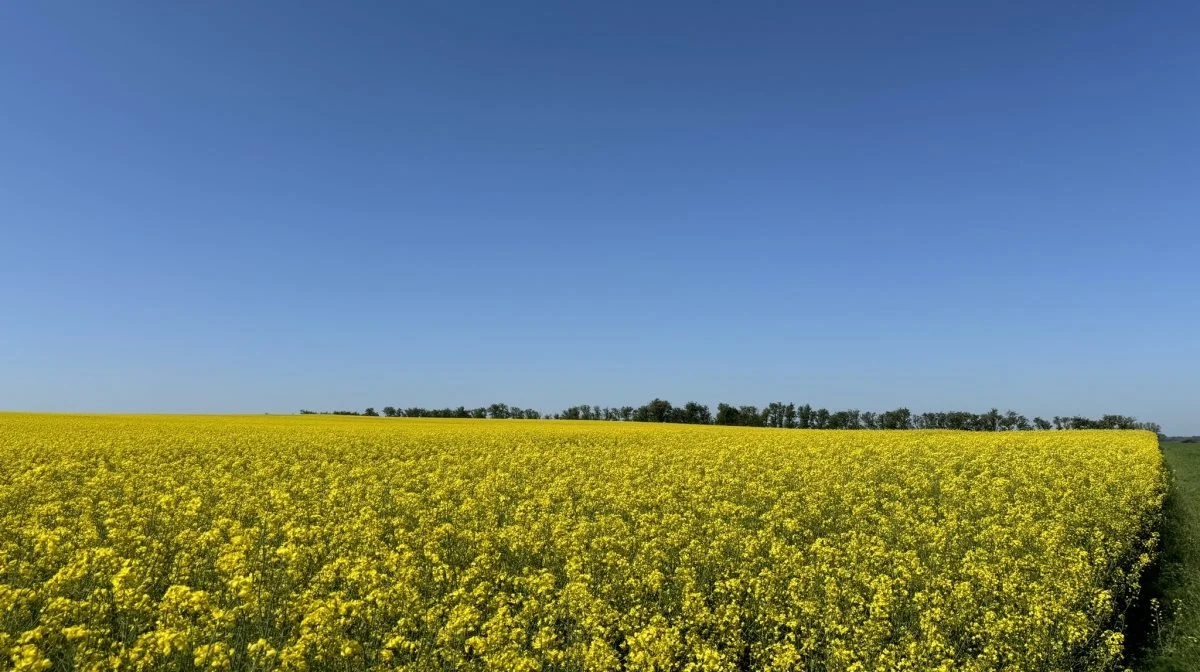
[{"x": 251, "y": 207}]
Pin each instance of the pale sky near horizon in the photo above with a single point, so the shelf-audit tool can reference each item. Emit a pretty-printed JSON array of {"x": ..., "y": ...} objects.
[{"x": 261, "y": 207}]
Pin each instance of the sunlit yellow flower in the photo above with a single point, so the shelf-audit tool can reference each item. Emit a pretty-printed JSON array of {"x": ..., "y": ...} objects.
[{"x": 314, "y": 543}]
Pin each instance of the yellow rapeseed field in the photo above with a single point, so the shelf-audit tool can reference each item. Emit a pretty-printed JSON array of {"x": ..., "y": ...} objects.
[{"x": 330, "y": 543}]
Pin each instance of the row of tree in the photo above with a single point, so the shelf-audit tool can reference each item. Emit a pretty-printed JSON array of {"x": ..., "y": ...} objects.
[
  {"x": 778, "y": 414},
  {"x": 793, "y": 416},
  {"x": 655, "y": 411},
  {"x": 501, "y": 411}
]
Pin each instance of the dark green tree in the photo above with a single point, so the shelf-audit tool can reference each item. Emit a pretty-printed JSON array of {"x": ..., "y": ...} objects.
[
  {"x": 695, "y": 413},
  {"x": 499, "y": 411},
  {"x": 901, "y": 418}
]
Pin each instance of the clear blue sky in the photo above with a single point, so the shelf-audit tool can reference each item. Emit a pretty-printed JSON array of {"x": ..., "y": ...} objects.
[{"x": 248, "y": 207}]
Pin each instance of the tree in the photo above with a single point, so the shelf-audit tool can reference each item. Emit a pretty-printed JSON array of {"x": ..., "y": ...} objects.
[
  {"x": 499, "y": 411},
  {"x": 1116, "y": 422},
  {"x": 901, "y": 418},
  {"x": 960, "y": 420},
  {"x": 845, "y": 419},
  {"x": 1080, "y": 422},
  {"x": 774, "y": 414},
  {"x": 804, "y": 417},
  {"x": 572, "y": 413},
  {"x": 658, "y": 410},
  {"x": 743, "y": 416},
  {"x": 695, "y": 413},
  {"x": 1010, "y": 421},
  {"x": 727, "y": 415},
  {"x": 779, "y": 415}
]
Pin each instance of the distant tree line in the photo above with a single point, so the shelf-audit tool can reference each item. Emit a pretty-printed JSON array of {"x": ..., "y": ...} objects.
[
  {"x": 777, "y": 414},
  {"x": 655, "y": 411},
  {"x": 501, "y": 411},
  {"x": 793, "y": 416}
]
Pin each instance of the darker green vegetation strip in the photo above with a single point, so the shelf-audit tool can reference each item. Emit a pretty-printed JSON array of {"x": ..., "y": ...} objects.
[
  {"x": 1165, "y": 633},
  {"x": 774, "y": 414}
]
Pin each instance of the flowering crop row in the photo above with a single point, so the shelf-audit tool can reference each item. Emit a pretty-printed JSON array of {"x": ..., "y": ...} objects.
[{"x": 327, "y": 543}]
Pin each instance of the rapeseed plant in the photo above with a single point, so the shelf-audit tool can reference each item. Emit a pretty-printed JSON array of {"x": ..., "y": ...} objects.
[{"x": 315, "y": 543}]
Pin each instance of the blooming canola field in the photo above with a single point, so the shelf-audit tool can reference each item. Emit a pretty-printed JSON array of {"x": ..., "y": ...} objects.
[{"x": 345, "y": 543}]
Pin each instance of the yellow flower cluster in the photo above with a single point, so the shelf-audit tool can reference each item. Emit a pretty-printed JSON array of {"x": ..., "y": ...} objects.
[{"x": 330, "y": 543}]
